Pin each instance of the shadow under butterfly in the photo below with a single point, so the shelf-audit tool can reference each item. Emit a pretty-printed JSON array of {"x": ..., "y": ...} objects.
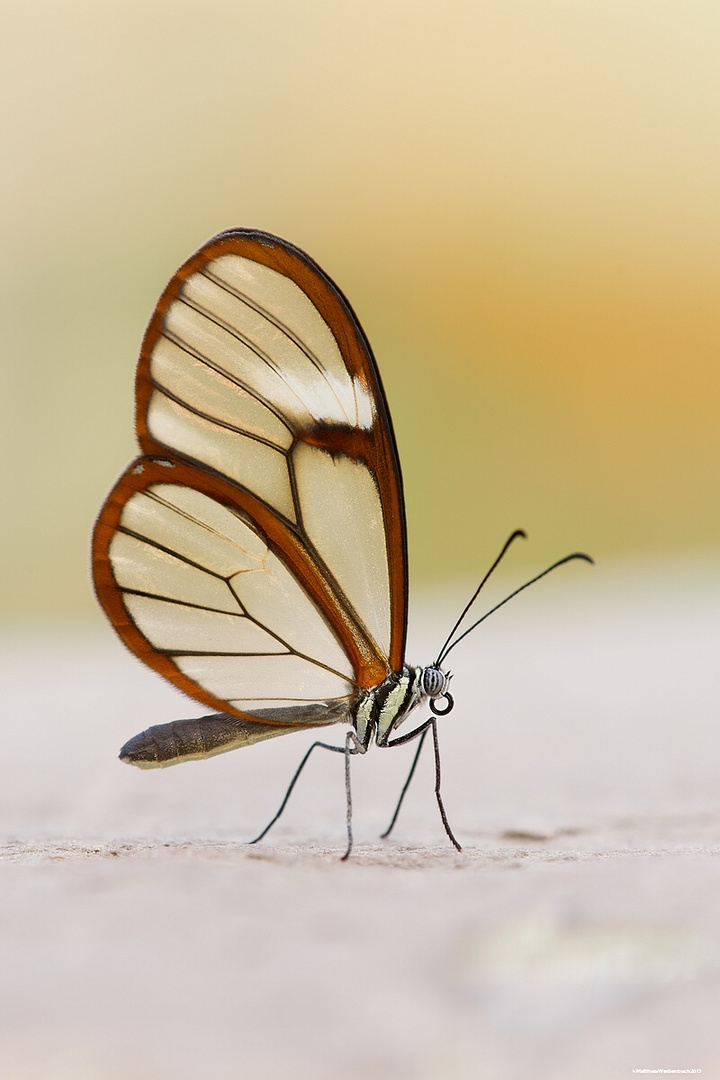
[{"x": 255, "y": 554}]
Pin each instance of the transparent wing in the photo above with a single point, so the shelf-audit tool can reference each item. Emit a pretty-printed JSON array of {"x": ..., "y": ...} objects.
[
  {"x": 195, "y": 589},
  {"x": 255, "y": 367}
]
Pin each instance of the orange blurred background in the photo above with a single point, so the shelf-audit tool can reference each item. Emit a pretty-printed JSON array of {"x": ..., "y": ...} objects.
[{"x": 520, "y": 200}]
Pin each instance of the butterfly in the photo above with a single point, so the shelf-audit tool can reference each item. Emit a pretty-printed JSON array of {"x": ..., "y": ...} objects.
[{"x": 255, "y": 553}]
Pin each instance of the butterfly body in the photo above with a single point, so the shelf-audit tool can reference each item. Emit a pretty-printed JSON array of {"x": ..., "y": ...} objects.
[{"x": 374, "y": 714}]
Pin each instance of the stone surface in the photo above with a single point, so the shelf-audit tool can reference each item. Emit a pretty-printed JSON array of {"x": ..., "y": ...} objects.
[{"x": 576, "y": 935}]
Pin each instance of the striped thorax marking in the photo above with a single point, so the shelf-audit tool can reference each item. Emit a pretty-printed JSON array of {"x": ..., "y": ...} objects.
[{"x": 381, "y": 709}]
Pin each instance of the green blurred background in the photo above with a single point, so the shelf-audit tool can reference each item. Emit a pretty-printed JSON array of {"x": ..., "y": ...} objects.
[{"x": 519, "y": 198}]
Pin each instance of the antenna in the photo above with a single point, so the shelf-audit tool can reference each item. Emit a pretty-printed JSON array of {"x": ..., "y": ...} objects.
[
  {"x": 450, "y": 644},
  {"x": 513, "y": 536}
]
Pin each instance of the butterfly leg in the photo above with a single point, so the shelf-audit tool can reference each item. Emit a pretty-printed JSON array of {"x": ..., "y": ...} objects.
[
  {"x": 347, "y": 750},
  {"x": 422, "y": 732},
  {"x": 406, "y": 785},
  {"x": 438, "y": 796}
]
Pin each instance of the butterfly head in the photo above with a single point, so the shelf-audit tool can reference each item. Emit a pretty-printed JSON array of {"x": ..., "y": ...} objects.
[
  {"x": 435, "y": 682},
  {"x": 388, "y": 705}
]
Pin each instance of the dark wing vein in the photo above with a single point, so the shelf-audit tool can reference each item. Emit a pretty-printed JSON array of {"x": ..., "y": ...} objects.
[
  {"x": 253, "y": 346},
  {"x": 208, "y": 362},
  {"x": 284, "y": 329},
  {"x": 189, "y": 603},
  {"x": 219, "y": 611},
  {"x": 290, "y": 652},
  {"x": 169, "y": 551},
  {"x": 214, "y": 420},
  {"x": 204, "y": 525}
]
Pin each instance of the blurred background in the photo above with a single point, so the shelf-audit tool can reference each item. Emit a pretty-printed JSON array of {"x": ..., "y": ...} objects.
[{"x": 519, "y": 198}]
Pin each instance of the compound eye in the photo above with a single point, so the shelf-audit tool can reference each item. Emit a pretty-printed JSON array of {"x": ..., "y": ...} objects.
[{"x": 434, "y": 681}]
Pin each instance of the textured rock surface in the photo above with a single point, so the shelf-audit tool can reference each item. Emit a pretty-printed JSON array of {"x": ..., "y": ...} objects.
[{"x": 576, "y": 935}]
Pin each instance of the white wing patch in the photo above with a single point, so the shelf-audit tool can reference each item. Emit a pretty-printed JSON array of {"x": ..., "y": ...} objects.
[
  {"x": 217, "y": 396},
  {"x": 274, "y": 343},
  {"x": 202, "y": 586},
  {"x": 292, "y": 312},
  {"x": 218, "y": 347},
  {"x": 364, "y": 406}
]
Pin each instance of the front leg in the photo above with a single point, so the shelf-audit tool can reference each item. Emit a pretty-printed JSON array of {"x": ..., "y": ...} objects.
[
  {"x": 421, "y": 732},
  {"x": 353, "y": 745}
]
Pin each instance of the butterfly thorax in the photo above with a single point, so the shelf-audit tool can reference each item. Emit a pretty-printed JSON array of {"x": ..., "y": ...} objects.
[{"x": 380, "y": 710}]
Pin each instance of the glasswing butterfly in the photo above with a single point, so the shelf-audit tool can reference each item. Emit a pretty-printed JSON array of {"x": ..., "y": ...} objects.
[{"x": 255, "y": 553}]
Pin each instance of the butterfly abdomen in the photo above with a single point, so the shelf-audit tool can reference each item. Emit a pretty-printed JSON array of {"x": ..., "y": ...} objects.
[{"x": 187, "y": 740}]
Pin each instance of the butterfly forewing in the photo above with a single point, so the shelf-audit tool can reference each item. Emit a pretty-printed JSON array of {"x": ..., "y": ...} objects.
[{"x": 256, "y": 554}]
